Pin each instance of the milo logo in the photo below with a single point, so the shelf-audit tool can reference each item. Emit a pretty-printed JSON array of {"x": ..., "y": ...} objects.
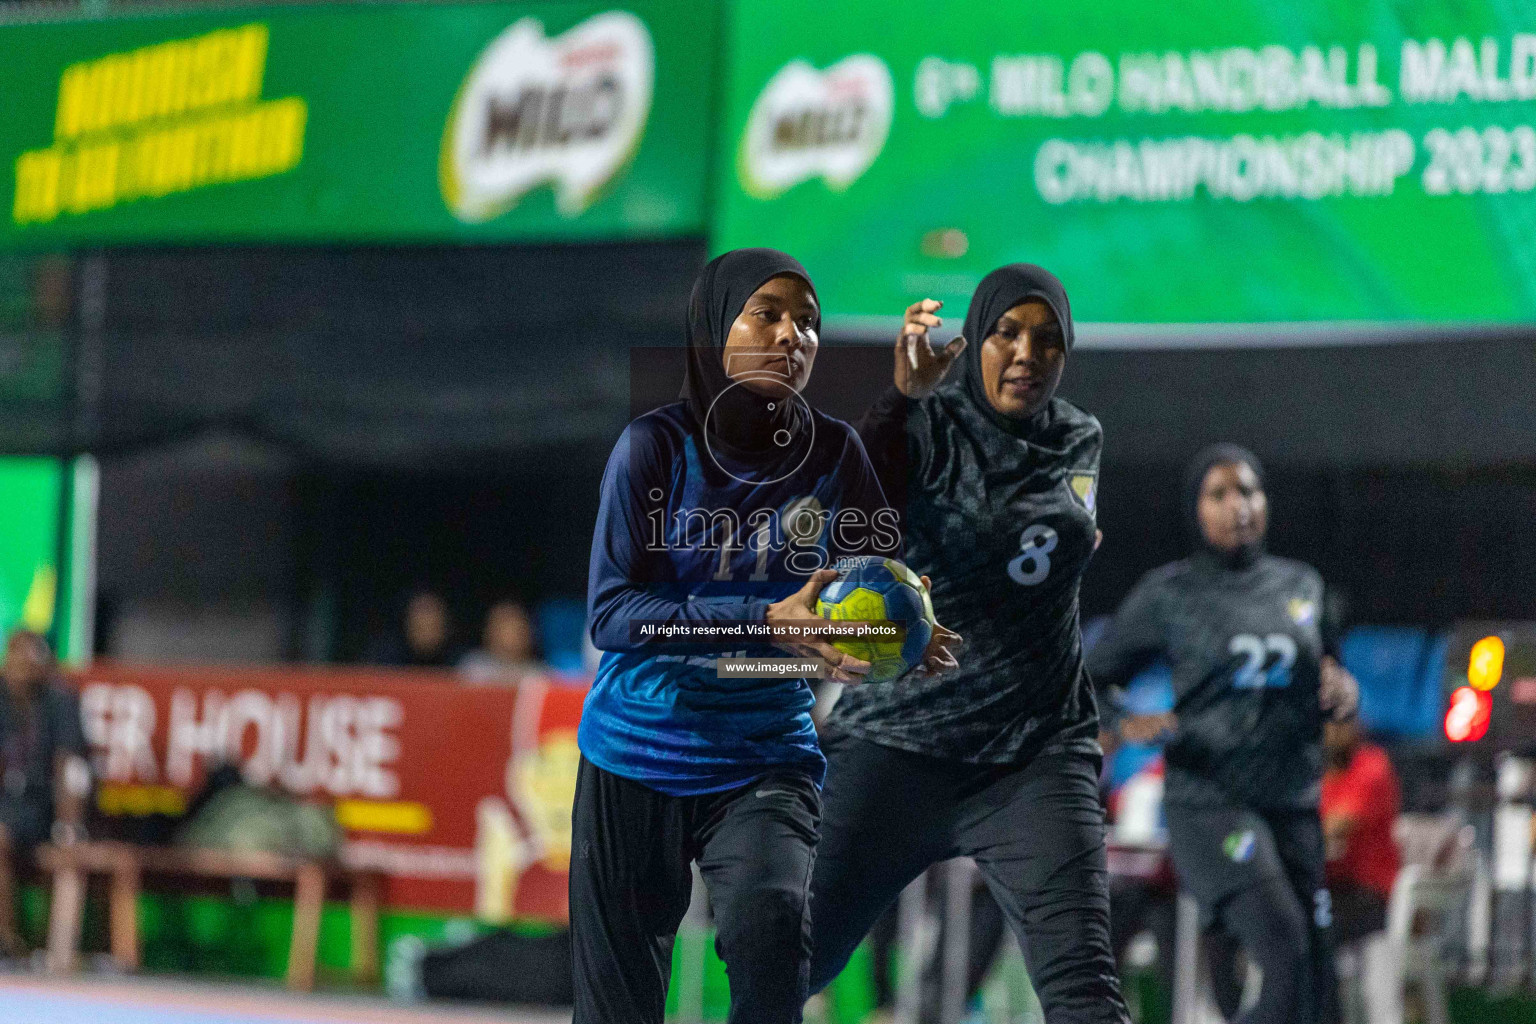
[
  {"x": 567, "y": 110},
  {"x": 806, "y": 124}
]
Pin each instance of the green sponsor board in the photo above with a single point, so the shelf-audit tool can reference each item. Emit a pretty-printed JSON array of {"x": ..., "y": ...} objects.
[
  {"x": 477, "y": 122},
  {"x": 1202, "y": 162},
  {"x": 36, "y": 591}
]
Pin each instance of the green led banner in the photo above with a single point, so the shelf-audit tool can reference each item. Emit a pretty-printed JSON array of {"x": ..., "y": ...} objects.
[
  {"x": 36, "y": 591},
  {"x": 1205, "y": 162},
  {"x": 480, "y": 122}
]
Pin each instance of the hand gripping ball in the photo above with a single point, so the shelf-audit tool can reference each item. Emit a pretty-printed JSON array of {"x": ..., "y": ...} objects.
[{"x": 873, "y": 589}]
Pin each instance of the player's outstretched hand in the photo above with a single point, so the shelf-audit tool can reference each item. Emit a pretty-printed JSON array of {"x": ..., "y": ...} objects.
[
  {"x": 793, "y": 621},
  {"x": 939, "y": 655},
  {"x": 1339, "y": 693},
  {"x": 1148, "y": 728},
  {"x": 919, "y": 369}
]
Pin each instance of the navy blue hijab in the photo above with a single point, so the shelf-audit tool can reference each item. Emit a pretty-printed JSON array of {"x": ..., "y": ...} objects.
[{"x": 736, "y": 419}]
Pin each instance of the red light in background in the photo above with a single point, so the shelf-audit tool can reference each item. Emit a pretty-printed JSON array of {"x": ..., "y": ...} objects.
[{"x": 1467, "y": 718}]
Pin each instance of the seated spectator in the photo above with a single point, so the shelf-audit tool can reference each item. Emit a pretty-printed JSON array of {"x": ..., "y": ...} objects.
[
  {"x": 42, "y": 765},
  {"x": 508, "y": 653},
  {"x": 424, "y": 640},
  {"x": 1359, "y": 806}
]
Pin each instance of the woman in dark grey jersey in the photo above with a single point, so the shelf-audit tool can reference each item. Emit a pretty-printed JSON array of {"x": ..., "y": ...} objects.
[
  {"x": 1253, "y": 678},
  {"x": 997, "y": 760}
]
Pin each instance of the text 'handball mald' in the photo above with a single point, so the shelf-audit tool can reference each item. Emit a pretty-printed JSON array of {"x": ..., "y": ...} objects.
[{"x": 871, "y": 589}]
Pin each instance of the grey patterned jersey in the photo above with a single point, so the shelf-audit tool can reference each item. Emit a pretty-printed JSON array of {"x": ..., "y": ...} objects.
[
  {"x": 1004, "y": 526},
  {"x": 1245, "y": 647}
]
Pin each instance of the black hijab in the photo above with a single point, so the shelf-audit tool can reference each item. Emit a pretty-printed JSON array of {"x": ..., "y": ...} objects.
[
  {"x": 736, "y": 420},
  {"x": 1194, "y": 481},
  {"x": 997, "y": 293}
]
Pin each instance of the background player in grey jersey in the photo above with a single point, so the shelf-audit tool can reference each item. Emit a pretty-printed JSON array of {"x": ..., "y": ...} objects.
[
  {"x": 997, "y": 760},
  {"x": 1253, "y": 678}
]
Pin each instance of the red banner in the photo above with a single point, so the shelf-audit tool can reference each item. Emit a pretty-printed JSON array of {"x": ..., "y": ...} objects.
[{"x": 460, "y": 794}]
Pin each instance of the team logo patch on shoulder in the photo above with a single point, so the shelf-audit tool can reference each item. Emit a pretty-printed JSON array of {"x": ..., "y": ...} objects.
[
  {"x": 1301, "y": 610},
  {"x": 1085, "y": 487}
]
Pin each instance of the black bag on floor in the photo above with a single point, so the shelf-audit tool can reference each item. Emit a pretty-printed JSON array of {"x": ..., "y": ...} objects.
[{"x": 503, "y": 967}]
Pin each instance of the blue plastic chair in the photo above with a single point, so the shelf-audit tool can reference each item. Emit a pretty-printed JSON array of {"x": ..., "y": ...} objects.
[{"x": 1389, "y": 663}]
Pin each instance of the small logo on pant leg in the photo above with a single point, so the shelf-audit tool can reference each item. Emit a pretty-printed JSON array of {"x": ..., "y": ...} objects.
[
  {"x": 1239, "y": 846},
  {"x": 1322, "y": 908}
]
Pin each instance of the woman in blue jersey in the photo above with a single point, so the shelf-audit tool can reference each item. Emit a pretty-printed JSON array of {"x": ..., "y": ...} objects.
[{"x": 719, "y": 516}]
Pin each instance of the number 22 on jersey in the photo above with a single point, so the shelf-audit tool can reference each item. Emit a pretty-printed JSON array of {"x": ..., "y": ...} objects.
[{"x": 1267, "y": 660}]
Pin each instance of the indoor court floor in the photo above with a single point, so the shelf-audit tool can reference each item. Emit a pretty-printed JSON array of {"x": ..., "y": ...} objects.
[{"x": 32, "y": 1000}]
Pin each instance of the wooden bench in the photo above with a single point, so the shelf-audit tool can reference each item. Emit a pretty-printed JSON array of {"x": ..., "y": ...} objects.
[{"x": 126, "y": 866}]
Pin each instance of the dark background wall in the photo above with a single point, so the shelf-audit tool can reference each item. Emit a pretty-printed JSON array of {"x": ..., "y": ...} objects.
[
  {"x": 1404, "y": 545},
  {"x": 1435, "y": 398},
  {"x": 1405, "y": 471},
  {"x": 291, "y": 438}
]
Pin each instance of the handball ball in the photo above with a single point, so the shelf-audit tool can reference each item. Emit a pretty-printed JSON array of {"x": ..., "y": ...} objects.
[{"x": 871, "y": 589}]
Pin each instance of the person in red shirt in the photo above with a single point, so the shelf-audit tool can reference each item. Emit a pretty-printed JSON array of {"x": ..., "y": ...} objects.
[{"x": 1359, "y": 806}]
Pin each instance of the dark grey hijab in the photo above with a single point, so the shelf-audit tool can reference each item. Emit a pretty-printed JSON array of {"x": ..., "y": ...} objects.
[
  {"x": 997, "y": 293},
  {"x": 1194, "y": 481}
]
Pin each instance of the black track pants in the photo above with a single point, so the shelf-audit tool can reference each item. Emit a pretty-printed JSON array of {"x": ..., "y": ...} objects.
[
  {"x": 631, "y": 847},
  {"x": 1036, "y": 832},
  {"x": 1259, "y": 874}
]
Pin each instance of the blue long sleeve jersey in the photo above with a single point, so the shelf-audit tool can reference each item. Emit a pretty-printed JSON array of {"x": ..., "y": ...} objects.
[{"x": 688, "y": 535}]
